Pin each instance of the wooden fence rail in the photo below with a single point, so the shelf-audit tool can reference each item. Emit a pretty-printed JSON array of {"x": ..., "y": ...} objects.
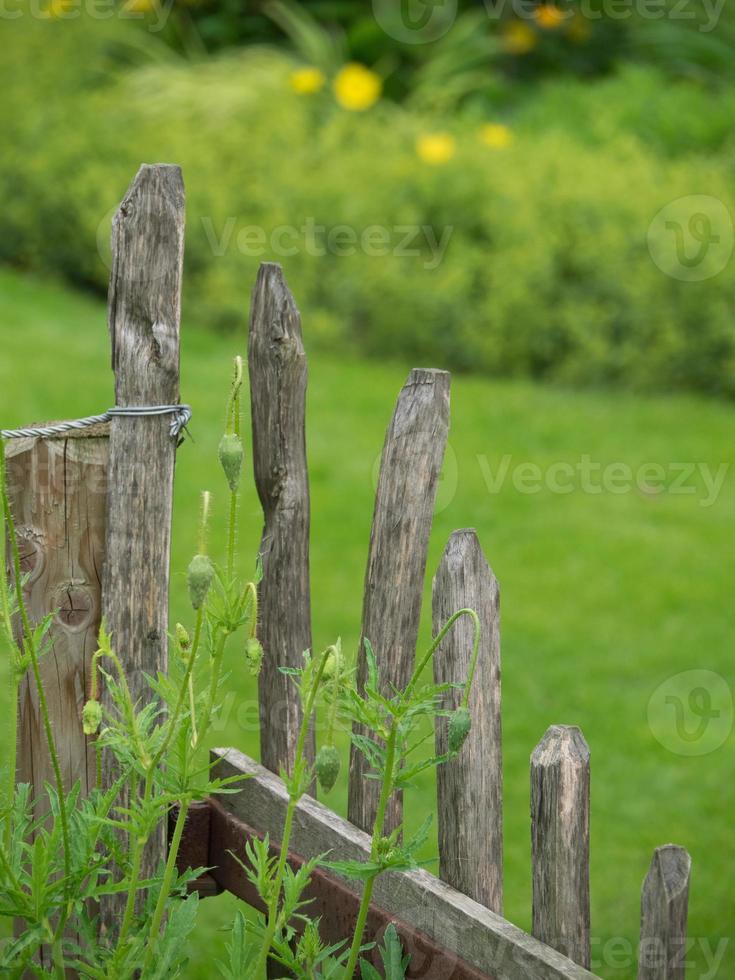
[{"x": 451, "y": 924}]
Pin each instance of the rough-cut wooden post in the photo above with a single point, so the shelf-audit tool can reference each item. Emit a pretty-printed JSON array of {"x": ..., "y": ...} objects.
[
  {"x": 394, "y": 581},
  {"x": 560, "y": 825},
  {"x": 144, "y": 312},
  {"x": 58, "y": 495},
  {"x": 470, "y": 790},
  {"x": 664, "y": 911},
  {"x": 278, "y": 379}
]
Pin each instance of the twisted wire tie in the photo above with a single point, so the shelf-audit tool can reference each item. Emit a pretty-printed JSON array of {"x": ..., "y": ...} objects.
[{"x": 181, "y": 418}]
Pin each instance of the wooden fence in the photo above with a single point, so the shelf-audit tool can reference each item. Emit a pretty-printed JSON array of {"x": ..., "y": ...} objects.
[{"x": 104, "y": 501}]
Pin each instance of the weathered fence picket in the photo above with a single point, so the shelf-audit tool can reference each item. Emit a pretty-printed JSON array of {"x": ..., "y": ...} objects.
[
  {"x": 278, "y": 380},
  {"x": 470, "y": 790},
  {"x": 560, "y": 834},
  {"x": 664, "y": 913},
  {"x": 77, "y": 511},
  {"x": 394, "y": 581},
  {"x": 144, "y": 312}
]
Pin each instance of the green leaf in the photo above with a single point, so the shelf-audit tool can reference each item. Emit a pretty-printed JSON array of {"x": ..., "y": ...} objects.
[{"x": 391, "y": 953}]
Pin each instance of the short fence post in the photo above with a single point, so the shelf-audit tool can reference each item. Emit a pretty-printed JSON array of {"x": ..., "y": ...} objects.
[
  {"x": 664, "y": 912},
  {"x": 394, "y": 581},
  {"x": 470, "y": 789},
  {"x": 144, "y": 313},
  {"x": 560, "y": 820},
  {"x": 278, "y": 378},
  {"x": 58, "y": 496}
]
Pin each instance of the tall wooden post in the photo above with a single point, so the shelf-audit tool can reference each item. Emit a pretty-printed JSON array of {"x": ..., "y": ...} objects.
[
  {"x": 470, "y": 789},
  {"x": 394, "y": 580},
  {"x": 278, "y": 378},
  {"x": 144, "y": 314}
]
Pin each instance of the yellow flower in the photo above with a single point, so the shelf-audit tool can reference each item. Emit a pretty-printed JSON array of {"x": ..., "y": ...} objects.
[
  {"x": 519, "y": 38},
  {"x": 549, "y": 16},
  {"x": 496, "y": 135},
  {"x": 140, "y": 6},
  {"x": 356, "y": 87},
  {"x": 436, "y": 148},
  {"x": 305, "y": 81}
]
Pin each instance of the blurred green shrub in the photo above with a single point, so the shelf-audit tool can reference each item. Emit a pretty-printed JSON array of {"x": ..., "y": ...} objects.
[{"x": 546, "y": 272}]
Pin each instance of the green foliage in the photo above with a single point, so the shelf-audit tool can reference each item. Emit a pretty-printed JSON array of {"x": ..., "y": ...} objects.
[
  {"x": 528, "y": 260},
  {"x": 59, "y": 854},
  {"x": 57, "y": 868}
]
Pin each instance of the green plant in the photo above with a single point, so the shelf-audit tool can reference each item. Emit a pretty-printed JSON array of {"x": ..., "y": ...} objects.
[
  {"x": 50, "y": 868},
  {"x": 57, "y": 869}
]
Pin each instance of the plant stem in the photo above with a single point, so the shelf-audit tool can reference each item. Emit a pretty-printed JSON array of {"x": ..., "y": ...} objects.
[
  {"x": 231, "y": 536},
  {"x": 136, "y": 861},
  {"x": 217, "y": 658},
  {"x": 293, "y": 801},
  {"x": 168, "y": 875},
  {"x": 386, "y": 792},
  {"x": 12, "y": 746},
  {"x": 419, "y": 669}
]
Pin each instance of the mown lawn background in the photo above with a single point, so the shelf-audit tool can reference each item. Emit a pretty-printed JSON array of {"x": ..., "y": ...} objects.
[{"x": 603, "y": 596}]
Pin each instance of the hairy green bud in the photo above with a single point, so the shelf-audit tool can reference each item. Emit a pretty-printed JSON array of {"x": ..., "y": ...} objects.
[
  {"x": 327, "y": 766},
  {"x": 460, "y": 724},
  {"x": 254, "y": 655},
  {"x": 200, "y": 577},
  {"x": 182, "y": 638},
  {"x": 231, "y": 455},
  {"x": 332, "y": 666},
  {"x": 91, "y": 717}
]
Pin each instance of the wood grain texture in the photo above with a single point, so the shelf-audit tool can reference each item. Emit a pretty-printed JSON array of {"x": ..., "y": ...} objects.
[
  {"x": 144, "y": 311},
  {"x": 457, "y": 923},
  {"x": 470, "y": 788},
  {"x": 664, "y": 913},
  {"x": 560, "y": 825},
  {"x": 394, "y": 582},
  {"x": 58, "y": 495},
  {"x": 278, "y": 380}
]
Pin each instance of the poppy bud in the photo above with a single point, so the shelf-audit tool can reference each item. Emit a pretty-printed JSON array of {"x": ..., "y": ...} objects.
[
  {"x": 231, "y": 455},
  {"x": 200, "y": 577},
  {"x": 460, "y": 724},
  {"x": 327, "y": 766},
  {"x": 254, "y": 655},
  {"x": 182, "y": 638},
  {"x": 91, "y": 717}
]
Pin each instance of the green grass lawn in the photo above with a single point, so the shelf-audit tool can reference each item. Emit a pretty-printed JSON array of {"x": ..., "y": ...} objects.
[{"x": 605, "y": 595}]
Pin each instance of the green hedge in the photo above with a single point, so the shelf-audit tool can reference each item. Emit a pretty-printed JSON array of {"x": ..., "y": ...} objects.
[{"x": 547, "y": 272}]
